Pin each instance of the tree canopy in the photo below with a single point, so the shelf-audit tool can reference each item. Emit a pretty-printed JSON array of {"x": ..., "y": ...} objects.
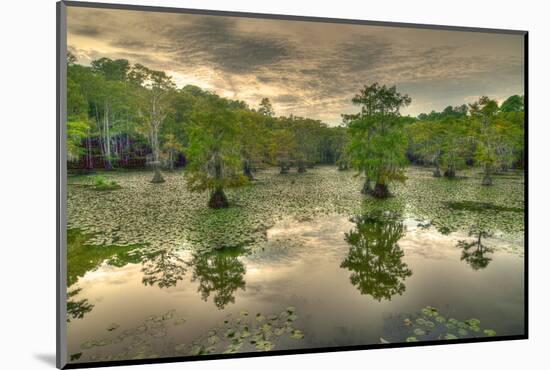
[{"x": 130, "y": 116}]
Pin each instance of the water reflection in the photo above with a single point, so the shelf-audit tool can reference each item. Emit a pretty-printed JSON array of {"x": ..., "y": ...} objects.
[
  {"x": 163, "y": 267},
  {"x": 76, "y": 309},
  {"x": 219, "y": 273},
  {"x": 374, "y": 257},
  {"x": 82, "y": 258},
  {"x": 475, "y": 253}
]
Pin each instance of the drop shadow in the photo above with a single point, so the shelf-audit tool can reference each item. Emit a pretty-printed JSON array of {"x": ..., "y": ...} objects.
[{"x": 47, "y": 358}]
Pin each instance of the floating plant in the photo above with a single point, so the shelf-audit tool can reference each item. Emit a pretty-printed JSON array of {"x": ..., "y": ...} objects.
[
  {"x": 175, "y": 217},
  {"x": 239, "y": 333},
  {"x": 430, "y": 324}
]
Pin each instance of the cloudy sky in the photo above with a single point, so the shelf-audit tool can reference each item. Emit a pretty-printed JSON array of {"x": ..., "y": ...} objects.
[{"x": 308, "y": 69}]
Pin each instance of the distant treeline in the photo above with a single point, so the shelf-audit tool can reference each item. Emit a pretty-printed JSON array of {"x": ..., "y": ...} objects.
[
  {"x": 129, "y": 116},
  {"x": 119, "y": 115}
]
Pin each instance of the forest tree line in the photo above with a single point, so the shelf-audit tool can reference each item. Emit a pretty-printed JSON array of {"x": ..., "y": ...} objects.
[{"x": 122, "y": 115}]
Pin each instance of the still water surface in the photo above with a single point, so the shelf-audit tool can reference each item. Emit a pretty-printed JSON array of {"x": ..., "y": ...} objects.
[{"x": 346, "y": 281}]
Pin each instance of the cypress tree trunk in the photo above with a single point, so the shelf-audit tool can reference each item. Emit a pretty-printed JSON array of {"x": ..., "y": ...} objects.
[
  {"x": 437, "y": 172},
  {"x": 380, "y": 191},
  {"x": 157, "y": 177},
  {"x": 247, "y": 170},
  {"x": 89, "y": 159},
  {"x": 171, "y": 160},
  {"x": 301, "y": 167},
  {"x": 450, "y": 172},
  {"x": 487, "y": 180},
  {"x": 218, "y": 199},
  {"x": 367, "y": 188},
  {"x": 107, "y": 139}
]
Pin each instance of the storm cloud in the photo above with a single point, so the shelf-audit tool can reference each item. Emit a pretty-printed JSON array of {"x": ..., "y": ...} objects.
[{"x": 306, "y": 68}]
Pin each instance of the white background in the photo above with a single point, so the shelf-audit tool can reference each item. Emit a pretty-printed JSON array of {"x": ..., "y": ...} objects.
[{"x": 27, "y": 168}]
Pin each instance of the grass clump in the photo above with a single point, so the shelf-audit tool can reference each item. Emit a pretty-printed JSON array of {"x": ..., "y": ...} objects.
[{"x": 102, "y": 183}]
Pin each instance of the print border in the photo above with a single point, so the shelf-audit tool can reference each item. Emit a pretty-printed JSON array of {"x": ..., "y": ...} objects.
[{"x": 61, "y": 188}]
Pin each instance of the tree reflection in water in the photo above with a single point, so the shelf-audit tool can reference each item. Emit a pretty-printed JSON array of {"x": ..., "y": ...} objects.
[
  {"x": 374, "y": 257},
  {"x": 219, "y": 273},
  {"x": 163, "y": 267},
  {"x": 475, "y": 253},
  {"x": 77, "y": 309}
]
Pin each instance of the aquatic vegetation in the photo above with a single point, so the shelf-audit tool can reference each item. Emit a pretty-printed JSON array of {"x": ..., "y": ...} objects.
[
  {"x": 431, "y": 324},
  {"x": 94, "y": 182},
  {"x": 241, "y": 333},
  {"x": 482, "y": 207},
  {"x": 453, "y": 206},
  {"x": 178, "y": 218},
  {"x": 102, "y": 183},
  {"x": 174, "y": 241},
  {"x": 248, "y": 333}
]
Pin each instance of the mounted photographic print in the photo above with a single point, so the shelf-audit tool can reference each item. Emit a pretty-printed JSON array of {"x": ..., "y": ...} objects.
[{"x": 234, "y": 184}]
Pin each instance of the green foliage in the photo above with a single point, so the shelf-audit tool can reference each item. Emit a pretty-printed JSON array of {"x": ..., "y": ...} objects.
[
  {"x": 254, "y": 140},
  {"x": 499, "y": 136},
  {"x": 441, "y": 143},
  {"x": 82, "y": 257},
  {"x": 513, "y": 104},
  {"x": 449, "y": 112},
  {"x": 102, "y": 183},
  {"x": 282, "y": 145},
  {"x": 375, "y": 258},
  {"x": 489, "y": 136},
  {"x": 378, "y": 140},
  {"x": 214, "y": 152},
  {"x": 117, "y": 111},
  {"x": 266, "y": 108},
  {"x": 76, "y": 132}
]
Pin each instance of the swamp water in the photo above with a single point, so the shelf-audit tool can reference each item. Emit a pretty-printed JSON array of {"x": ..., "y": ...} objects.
[{"x": 298, "y": 261}]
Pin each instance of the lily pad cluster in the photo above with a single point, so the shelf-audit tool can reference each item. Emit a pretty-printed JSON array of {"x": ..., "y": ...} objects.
[
  {"x": 454, "y": 205},
  {"x": 248, "y": 333},
  {"x": 136, "y": 343},
  {"x": 141, "y": 213},
  {"x": 430, "y": 324},
  {"x": 244, "y": 333}
]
